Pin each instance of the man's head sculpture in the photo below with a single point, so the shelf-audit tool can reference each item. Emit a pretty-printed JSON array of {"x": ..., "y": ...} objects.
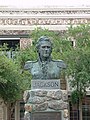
[
  {"x": 41, "y": 40},
  {"x": 44, "y": 67},
  {"x": 44, "y": 47}
]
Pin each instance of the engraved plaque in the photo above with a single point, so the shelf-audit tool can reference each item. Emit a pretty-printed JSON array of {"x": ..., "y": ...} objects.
[
  {"x": 45, "y": 84},
  {"x": 46, "y": 116}
]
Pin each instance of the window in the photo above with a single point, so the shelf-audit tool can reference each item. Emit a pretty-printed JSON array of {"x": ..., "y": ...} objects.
[
  {"x": 86, "y": 108},
  {"x": 22, "y": 110},
  {"x": 12, "y": 43},
  {"x": 73, "y": 112}
]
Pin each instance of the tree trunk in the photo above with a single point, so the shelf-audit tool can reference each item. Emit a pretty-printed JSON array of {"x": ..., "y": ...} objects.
[
  {"x": 10, "y": 108},
  {"x": 80, "y": 109},
  {"x": 8, "y": 111}
]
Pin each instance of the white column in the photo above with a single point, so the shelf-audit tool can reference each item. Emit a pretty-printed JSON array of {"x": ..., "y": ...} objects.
[{"x": 4, "y": 112}]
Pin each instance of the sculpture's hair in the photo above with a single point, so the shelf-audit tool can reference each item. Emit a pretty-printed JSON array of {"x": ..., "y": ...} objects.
[{"x": 41, "y": 39}]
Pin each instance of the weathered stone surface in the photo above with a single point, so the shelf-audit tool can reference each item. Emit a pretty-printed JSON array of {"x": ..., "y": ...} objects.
[
  {"x": 36, "y": 100},
  {"x": 66, "y": 114},
  {"x": 64, "y": 95},
  {"x": 57, "y": 94},
  {"x": 57, "y": 105},
  {"x": 40, "y": 107},
  {"x": 27, "y": 116},
  {"x": 38, "y": 92},
  {"x": 44, "y": 100},
  {"x": 41, "y": 93},
  {"x": 47, "y": 99},
  {"x": 65, "y": 105},
  {"x": 26, "y": 95},
  {"x": 28, "y": 107}
]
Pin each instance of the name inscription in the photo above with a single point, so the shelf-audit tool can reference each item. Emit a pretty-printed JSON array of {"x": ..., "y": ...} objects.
[{"x": 45, "y": 84}]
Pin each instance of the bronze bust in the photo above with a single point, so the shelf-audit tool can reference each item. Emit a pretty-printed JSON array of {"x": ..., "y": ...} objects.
[{"x": 45, "y": 68}]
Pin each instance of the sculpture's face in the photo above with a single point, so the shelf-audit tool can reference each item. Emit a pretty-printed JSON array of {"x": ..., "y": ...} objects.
[{"x": 45, "y": 49}]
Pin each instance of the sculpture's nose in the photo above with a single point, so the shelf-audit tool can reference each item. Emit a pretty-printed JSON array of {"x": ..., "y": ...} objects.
[{"x": 46, "y": 48}]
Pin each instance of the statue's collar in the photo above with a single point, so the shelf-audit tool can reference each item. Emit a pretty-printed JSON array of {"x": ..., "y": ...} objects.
[{"x": 45, "y": 61}]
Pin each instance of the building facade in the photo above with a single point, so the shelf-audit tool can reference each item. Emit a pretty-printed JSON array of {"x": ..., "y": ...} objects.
[{"x": 15, "y": 27}]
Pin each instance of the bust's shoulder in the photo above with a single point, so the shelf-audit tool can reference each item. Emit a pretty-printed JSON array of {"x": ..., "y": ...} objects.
[
  {"x": 60, "y": 63},
  {"x": 29, "y": 64}
]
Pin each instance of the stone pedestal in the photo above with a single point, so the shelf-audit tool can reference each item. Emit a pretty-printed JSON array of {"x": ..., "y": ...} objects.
[{"x": 42, "y": 104}]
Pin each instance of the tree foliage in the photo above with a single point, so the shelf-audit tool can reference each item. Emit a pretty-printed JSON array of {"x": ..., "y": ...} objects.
[
  {"x": 12, "y": 80},
  {"x": 79, "y": 65},
  {"x": 9, "y": 80}
]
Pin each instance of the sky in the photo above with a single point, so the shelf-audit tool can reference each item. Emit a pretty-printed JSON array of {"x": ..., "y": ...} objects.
[{"x": 40, "y": 3}]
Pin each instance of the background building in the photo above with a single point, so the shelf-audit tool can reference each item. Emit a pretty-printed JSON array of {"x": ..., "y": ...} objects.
[{"x": 15, "y": 27}]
